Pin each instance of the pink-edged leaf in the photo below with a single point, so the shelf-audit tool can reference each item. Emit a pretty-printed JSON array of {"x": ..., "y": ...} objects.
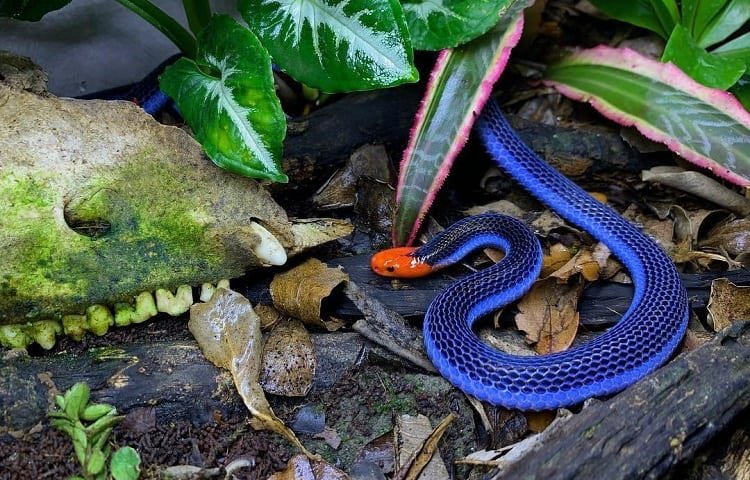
[
  {"x": 458, "y": 87},
  {"x": 706, "y": 126}
]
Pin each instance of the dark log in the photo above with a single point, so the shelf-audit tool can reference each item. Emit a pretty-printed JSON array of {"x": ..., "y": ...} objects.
[
  {"x": 652, "y": 426},
  {"x": 601, "y": 305},
  {"x": 171, "y": 376},
  {"x": 320, "y": 142}
]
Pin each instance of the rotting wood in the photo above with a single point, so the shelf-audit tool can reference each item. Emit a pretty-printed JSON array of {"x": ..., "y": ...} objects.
[{"x": 654, "y": 425}]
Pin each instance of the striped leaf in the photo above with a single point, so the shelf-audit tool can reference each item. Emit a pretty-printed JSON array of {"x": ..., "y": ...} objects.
[
  {"x": 706, "y": 126},
  {"x": 335, "y": 45},
  {"x": 459, "y": 86},
  {"x": 227, "y": 97}
]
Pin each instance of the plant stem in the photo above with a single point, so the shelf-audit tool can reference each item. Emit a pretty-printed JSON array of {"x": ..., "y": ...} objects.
[
  {"x": 164, "y": 23},
  {"x": 198, "y": 13}
]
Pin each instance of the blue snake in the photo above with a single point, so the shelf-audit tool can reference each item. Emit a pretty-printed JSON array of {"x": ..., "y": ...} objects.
[{"x": 644, "y": 338}]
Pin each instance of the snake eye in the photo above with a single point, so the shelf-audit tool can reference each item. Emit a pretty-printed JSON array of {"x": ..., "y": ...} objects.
[{"x": 391, "y": 268}]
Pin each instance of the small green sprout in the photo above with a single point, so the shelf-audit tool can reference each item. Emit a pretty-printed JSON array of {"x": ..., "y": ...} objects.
[{"x": 89, "y": 425}]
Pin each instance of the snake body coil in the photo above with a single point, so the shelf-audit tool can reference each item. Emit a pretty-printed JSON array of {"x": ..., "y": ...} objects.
[{"x": 644, "y": 339}]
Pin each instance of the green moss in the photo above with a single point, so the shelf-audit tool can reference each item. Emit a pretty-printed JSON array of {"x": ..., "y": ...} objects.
[{"x": 153, "y": 240}]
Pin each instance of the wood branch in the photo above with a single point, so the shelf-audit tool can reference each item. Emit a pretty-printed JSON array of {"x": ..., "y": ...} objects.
[{"x": 652, "y": 426}]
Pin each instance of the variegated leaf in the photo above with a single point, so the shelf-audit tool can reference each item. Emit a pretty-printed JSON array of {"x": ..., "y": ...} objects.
[
  {"x": 227, "y": 97},
  {"x": 459, "y": 86},
  {"x": 439, "y": 24},
  {"x": 708, "y": 127},
  {"x": 335, "y": 45}
]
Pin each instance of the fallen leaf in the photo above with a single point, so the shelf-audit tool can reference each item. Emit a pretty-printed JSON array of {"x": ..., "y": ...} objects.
[
  {"x": 228, "y": 333},
  {"x": 288, "y": 365},
  {"x": 583, "y": 262},
  {"x": 299, "y": 292},
  {"x": 558, "y": 256},
  {"x": 698, "y": 184},
  {"x": 732, "y": 237},
  {"x": 538, "y": 421},
  {"x": 547, "y": 313},
  {"x": 269, "y": 316},
  {"x": 301, "y": 468},
  {"x": 381, "y": 451},
  {"x": 330, "y": 436},
  {"x": 340, "y": 189},
  {"x": 418, "y": 453},
  {"x": 727, "y": 303}
]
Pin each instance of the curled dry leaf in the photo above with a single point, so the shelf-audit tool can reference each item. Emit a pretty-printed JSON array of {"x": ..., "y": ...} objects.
[
  {"x": 301, "y": 468},
  {"x": 727, "y": 303},
  {"x": 698, "y": 184},
  {"x": 547, "y": 313},
  {"x": 340, "y": 189},
  {"x": 299, "y": 292},
  {"x": 228, "y": 333},
  {"x": 418, "y": 451},
  {"x": 288, "y": 365},
  {"x": 557, "y": 257},
  {"x": 583, "y": 262},
  {"x": 269, "y": 316},
  {"x": 732, "y": 237}
]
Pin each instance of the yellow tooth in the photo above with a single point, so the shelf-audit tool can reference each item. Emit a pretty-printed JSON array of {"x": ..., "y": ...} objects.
[
  {"x": 44, "y": 332},
  {"x": 208, "y": 289},
  {"x": 99, "y": 318},
  {"x": 145, "y": 308},
  {"x": 74, "y": 326},
  {"x": 268, "y": 250},
  {"x": 176, "y": 304},
  {"x": 14, "y": 336}
]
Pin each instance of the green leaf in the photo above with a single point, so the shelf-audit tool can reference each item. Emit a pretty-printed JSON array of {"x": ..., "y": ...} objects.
[
  {"x": 640, "y": 13},
  {"x": 76, "y": 400},
  {"x": 667, "y": 13},
  {"x": 728, "y": 21},
  {"x": 30, "y": 11},
  {"x": 335, "y": 45},
  {"x": 227, "y": 97},
  {"x": 697, "y": 13},
  {"x": 97, "y": 410},
  {"x": 96, "y": 461},
  {"x": 125, "y": 464},
  {"x": 705, "y": 126},
  {"x": 711, "y": 70},
  {"x": 459, "y": 86},
  {"x": 738, "y": 48},
  {"x": 80, "y": 444},
  {"x": 439, "y": 24},
  {"x": 741, "y": 90}
]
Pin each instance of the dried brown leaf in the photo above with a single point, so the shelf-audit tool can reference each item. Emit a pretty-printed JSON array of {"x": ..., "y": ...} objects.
[
  {"x": 557, "y": 257},
  {"x": 299, "y": 292},
  {"x": 727, "y": 303},
  {"x": 288, "y": 365},
  {"x": 301, "y": 468},
  {"x": 548, "y": 315},
  {"x": 418, "y": 451},
  {"x": 228, "y": 333},
  {"x": 732, "y": 237},
  {"x": 583, "y": 262}
]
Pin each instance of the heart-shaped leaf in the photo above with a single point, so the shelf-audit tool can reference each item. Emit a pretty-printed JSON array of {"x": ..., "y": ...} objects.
[
  {"x": 439, "y": 24},
  {"x": 227, "y": 97},
  {"x": 335, "y": 45}
]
